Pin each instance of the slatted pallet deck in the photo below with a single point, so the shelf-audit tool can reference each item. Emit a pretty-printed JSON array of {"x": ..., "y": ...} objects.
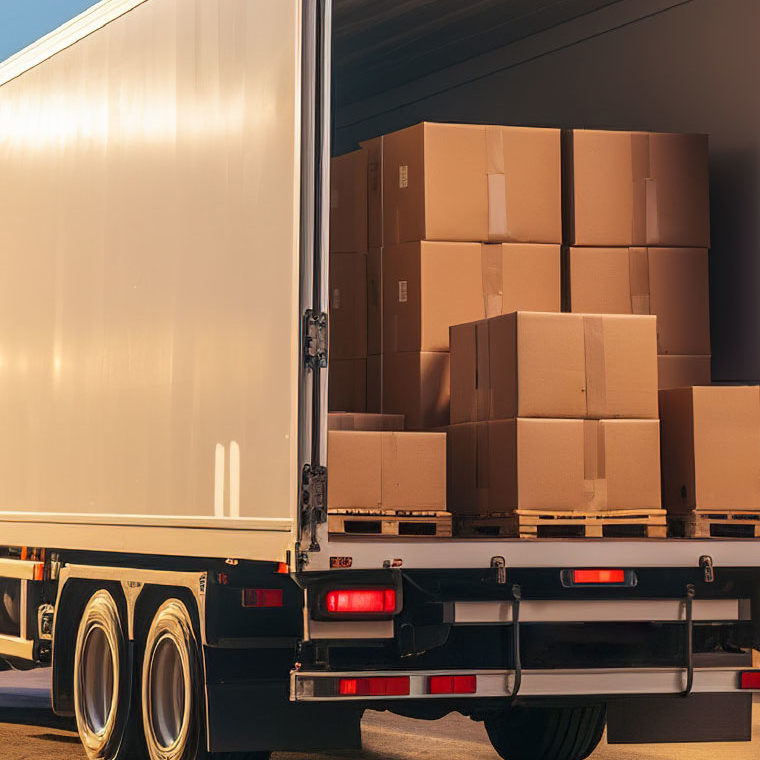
[
  {"x": 717, "y": 523},
  {"x": 628, "y": 523},
  {"x": 376, "y": 522}
]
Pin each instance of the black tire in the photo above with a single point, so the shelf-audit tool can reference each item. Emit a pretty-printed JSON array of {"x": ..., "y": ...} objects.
[
  {"x": 103, "y": 700},
  {"x": 546, "y": 733}
]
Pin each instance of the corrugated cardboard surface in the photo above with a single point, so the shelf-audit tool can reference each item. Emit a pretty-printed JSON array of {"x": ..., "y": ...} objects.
[
  {"x": 550, "y": 464},
  {"x": 347, "y": 386},
  {"x": 348, "y": 203},
  {"x": 683, "y": 371},
  {"x": 711, "y": 448},
  {"x": 375, "y": 384},
  {"x": 386, "y": 470},
  {"x": 374, "y": 149},
  {"x": 416, "y": 384},
  {"x": 348, "y": 306},
  {"x": 375, "y": 302},
  {"x": 426, "y": 288},
  {"x": 637, "y": 188},
  {"x": 554, "y": 365},
  {"x": 671, "y": 283},
  {"x": 349, "y": 421},
  {"x": 472, "y": 183}
]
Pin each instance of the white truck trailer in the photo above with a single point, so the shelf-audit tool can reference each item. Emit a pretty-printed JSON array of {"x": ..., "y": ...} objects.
[{"x": 163, "y": 541}]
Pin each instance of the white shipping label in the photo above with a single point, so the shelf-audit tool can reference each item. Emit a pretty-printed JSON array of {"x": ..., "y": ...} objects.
[
  {"x": 336, "y": 298},
  {"x": 403, "y": 177},
  {"x": 403, "y": 291}
]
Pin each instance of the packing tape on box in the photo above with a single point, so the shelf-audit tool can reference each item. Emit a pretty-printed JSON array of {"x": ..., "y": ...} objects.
[
  {"x": 646, "y": 219},
  {"x": 596, "y": 384},
  {"x": 492, "y": 272},
  {"x": 638, "y": 274},
  {"x": 497, "y": 185},
  {"x": 594, "y": 465},
  {"x": 482, "y": 466}
]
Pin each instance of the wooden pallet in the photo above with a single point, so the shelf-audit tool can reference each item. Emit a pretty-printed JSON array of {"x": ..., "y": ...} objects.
[
  {"x": 717, "y": 523},
  {"x": 377, "y": 522},
  {"x": 628, "y": 523}
]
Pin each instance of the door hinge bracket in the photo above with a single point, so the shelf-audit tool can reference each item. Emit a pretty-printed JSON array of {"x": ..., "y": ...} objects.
[
  {"x": 313, "y": 500},
  {"x": 315, "y": 339}
]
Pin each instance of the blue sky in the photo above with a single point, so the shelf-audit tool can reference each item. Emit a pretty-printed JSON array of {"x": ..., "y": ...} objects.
[{"x": 24, "y": 21}]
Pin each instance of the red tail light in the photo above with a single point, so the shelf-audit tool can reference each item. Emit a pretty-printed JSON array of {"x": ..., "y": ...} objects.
[
  {"x": 361, "y": 601},
  {"x": 262, "y": 597},
  {"x": 380, "y": 686},
  {"x": 596, "y": 577},
  {"x": 750, "y": 679},
  {"x": 452, "y": 684}
]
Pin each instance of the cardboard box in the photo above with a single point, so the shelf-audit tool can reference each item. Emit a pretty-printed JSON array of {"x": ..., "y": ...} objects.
[
  {"x": 416, "y": 384},
  {"x": 375, "y": 302},
  {"x": 530, "y": 364},
  {"x": 347, "y": 385},
  {"x": 710, "y": 448},
  {"x": 386, "y": 470},
  {"x": 374, "y": 149},
  {"x": 347, "y": 421},
  {"x": 543, "y": 464},
  {"x": 348, "y": 203},
  {"x": 671, "y": 283},
  {"x": 348, "y": 306},
  {"x": 465, "y": 182},
  {"x": 427, "y": 287},
  {"x": 375, "y": 384},
  {"x": 636, "y": 189},
  {"x": 683, "y": 371}
]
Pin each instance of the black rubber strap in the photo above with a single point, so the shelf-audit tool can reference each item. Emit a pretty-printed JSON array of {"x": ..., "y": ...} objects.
[
  {"x": 516, "y": 663},
  {"x": 689, "y": 643}
]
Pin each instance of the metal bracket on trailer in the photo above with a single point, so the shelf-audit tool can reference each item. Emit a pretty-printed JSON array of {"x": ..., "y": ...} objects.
[
  {"x": 314, "y": 500},
  {"x": 315, "y": 339}
]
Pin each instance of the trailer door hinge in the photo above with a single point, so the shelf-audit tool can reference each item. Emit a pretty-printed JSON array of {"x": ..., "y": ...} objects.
[
  {"x": 315, "y": 339},
  {"x": 314, "y": 500},
  {"x": 708, "y": 568}
]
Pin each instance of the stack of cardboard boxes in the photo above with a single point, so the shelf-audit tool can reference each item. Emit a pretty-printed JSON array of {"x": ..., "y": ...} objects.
[
  {"x": 554, "y": 412},
  {"x": 637, "y": 224}
]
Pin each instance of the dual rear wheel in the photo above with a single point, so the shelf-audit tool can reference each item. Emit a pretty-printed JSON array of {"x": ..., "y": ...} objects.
[{"x": 153, "y": 709}]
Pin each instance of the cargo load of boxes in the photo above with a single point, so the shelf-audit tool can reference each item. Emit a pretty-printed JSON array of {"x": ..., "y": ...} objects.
[{"x": 505, "y": 304}]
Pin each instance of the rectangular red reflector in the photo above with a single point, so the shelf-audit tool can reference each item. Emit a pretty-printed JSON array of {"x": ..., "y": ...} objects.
[
  {"x": 750, "y": 679},
  {"x": 378, "y": 686},
  {"x": 262, "y": 597},
  {"x": 282, "y": 568},
  {"x": 452, "y": 684},
  {"x": 361, "y": 601},
  {"x": 598, "y": 576}
]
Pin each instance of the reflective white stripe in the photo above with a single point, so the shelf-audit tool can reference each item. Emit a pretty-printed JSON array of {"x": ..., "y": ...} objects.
[
  {"x": 624, "y": 611},
  {"x": 538, "y": 683}
]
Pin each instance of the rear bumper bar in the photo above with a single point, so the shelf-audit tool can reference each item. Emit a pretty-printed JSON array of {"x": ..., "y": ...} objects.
[{"x": 613, "y": 682}]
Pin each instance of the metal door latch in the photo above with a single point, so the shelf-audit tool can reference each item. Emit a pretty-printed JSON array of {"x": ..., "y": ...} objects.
[
  {"x": 500, "y": 565},
  {"x": 708, "y": 569},
  {"x": 315, "y": 339},
  {"x": 314, "y": 500}
]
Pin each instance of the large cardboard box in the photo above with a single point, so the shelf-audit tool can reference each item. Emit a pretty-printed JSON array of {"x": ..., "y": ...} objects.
[
  {"x": 374, "y": 150},
  {"x": 710, "y": 448},
  {"x": 683, "y": 371},
  {"x": 375, "y": 302},
  {"x": 348, "y": 306},
  {"x": 530, "y": 364},
  {"x": 550, "y": 464},
  {"x": 349, "y": 421},
  {"x": 427, "y": 287},
  {"x": 416, "y": 384},
  {"x": 347, "y": 385},
  {"x": 671, "y": 283},
  {"x": 636, "y": 188},
  {"x": 348, "y": 203},
  {"x": 472, "y": 183},
  {"x": 386, "y": 470}
]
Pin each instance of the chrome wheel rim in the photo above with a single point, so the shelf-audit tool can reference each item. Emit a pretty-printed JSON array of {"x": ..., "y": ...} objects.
[
  {"x": 167, "y": 693},
  {"x": 98, "y": 682}
]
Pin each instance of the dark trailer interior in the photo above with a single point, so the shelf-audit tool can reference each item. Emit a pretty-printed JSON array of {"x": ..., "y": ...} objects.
[{"x": 656, "y": 65}]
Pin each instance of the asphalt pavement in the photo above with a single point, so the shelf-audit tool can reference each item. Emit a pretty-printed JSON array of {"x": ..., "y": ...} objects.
[{"x": 29, "y": 731}]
